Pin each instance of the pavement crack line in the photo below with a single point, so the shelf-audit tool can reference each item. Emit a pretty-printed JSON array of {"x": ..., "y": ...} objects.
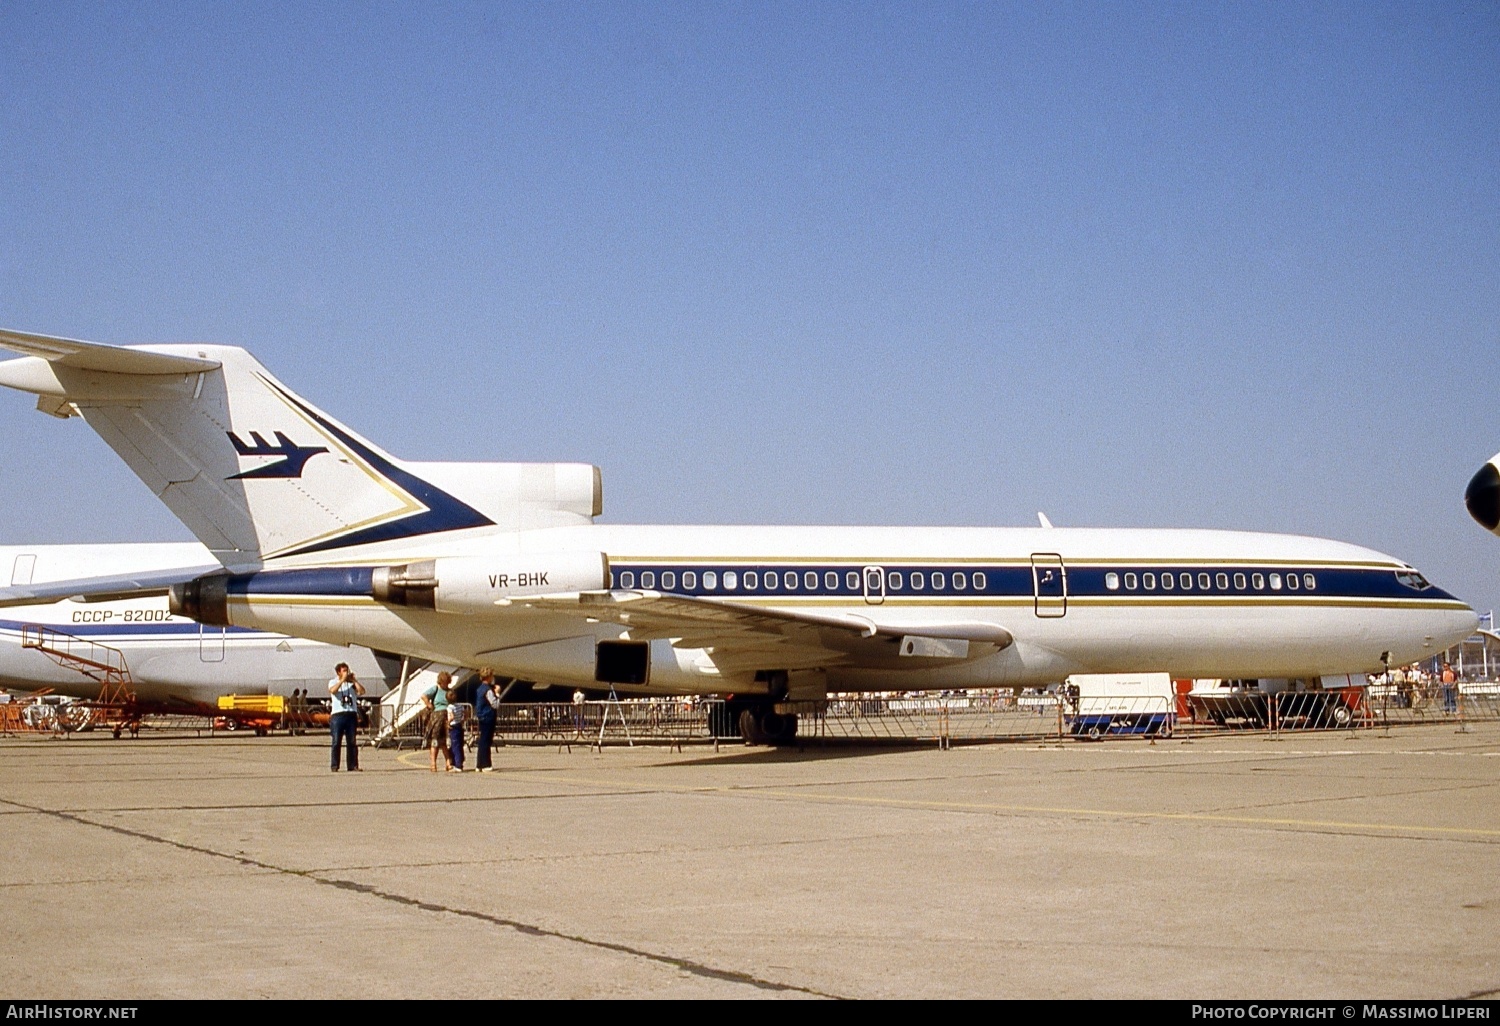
[
  {"x": 686, "y": 965},
  {"x": 1328, "y": 799}
]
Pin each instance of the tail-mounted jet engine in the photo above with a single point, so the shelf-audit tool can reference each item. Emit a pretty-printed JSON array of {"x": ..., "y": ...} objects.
[{"x": 448, "y": 584}]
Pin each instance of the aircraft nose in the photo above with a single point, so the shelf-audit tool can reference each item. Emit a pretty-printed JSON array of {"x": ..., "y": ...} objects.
[{"x": 1483, "y": 496}]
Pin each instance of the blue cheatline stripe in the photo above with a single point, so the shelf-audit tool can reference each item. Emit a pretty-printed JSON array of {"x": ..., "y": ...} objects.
[
  {"x": 443, "y": 513},
  {"x": 124, "y": 630},
  {"x": 1013, "y": 581},
  {"x": 980, "y": 582},
  {"x": 333, "y": 580}
]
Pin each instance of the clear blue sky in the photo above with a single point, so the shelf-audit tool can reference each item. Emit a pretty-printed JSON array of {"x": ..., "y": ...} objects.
[{"x": 1217, "y": 265}]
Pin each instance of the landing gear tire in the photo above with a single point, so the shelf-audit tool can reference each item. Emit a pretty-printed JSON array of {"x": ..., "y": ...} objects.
[
  {"x": 760, "y": 725},
  {"x": 750, "y": 728}
]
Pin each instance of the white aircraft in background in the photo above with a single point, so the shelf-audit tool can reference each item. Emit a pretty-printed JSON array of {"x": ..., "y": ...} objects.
[
  {"x": 322, "y": 534},
  {"x": 1483, "y": 496},
  {"x": 175, "y": 664}
]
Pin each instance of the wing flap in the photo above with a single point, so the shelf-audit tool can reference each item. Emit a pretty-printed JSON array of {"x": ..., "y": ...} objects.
[{"x": 741, "y": 636}]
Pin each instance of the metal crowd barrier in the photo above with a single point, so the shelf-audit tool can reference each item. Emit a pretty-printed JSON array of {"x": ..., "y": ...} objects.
[
  {"x": 983, "y": 716},
  {"x": 912, "y": 718},
  {"x": 627, "y": 721}
]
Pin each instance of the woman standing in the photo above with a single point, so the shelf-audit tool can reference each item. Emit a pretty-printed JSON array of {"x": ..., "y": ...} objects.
[
  {"x": 486, "y": 704},
  {"x": 435, "y": 699}
]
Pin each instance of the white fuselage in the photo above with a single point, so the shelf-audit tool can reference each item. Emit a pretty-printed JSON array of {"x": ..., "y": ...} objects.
[
  {"x": 172, "y": 661},
  {"x": 1075, "y": 601}
]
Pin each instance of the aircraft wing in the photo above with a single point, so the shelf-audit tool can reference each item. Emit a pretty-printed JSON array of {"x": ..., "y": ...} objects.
[
  {"x": 103, "y": 589},
  {"x": 741, "y": 636}
]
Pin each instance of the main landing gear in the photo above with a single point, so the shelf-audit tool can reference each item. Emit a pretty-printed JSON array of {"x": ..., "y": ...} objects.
[{"x": 761, "y": 724}]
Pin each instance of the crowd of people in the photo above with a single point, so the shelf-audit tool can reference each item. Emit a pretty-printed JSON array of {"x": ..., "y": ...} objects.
[
  {"x": 1412, "y": 685},
  {"x": 448, "y": 717}
]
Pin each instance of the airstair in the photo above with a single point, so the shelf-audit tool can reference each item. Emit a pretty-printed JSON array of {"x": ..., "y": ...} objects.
[
  {"x": 116, "y": 701},
  {"x": 401, "y": 707}
]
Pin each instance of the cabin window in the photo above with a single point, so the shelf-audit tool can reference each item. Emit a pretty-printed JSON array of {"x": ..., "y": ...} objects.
[
  {"x": 731, "y": 580},
  {"x": 648, "y": 578},
  {"x": 752, "y": 580},
  {"x": 711, "y": 580},
  {"x": 1309, "y": 581},
  {"x": 830, "y": 581},
  {"x": 689, "y": 580},
  {"x": 851, "y": 580},
  {"x": 1239, "y": 582},
  {"x": 810, "y": 580},
  {"x": 893, "y": 580},
  {"x": 918, "y": 580},
  {"x": 771, "y": 580},
  {"x": 627, "y": 579},
  {"x": 1203, "y": 582},
  {"x": 1222, "y": 580},
  {"x": 669, "y": 578},
  {"x": 1292, "y": 582},
  {"x": 1186, "y": 580},
  {"x": 939, "y": 582},
  {"x": 1275, "y": 582},
  {"x": 1258, "y": 582},
  {"x": 1148, "y": 581},
  {"x": 1112, "y": 581},
  {"x": 1130, "y": 582},
  {"x": 960, "y": 582},
  {"x": 979, "y": 581},
  {"x": 1168, "y": 582}
]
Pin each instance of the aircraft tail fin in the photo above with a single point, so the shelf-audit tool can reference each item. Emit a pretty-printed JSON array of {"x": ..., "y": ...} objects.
[{"x": 253, "y": 470}]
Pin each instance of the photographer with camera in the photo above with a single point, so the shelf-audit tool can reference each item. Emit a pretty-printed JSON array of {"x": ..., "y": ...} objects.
[{"x": 343, "y": 721}]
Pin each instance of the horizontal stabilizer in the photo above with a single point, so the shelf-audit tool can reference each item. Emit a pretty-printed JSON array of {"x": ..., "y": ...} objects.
[
  {"x": 103, "y": 589},
  {"x": 92, "y": 356}
]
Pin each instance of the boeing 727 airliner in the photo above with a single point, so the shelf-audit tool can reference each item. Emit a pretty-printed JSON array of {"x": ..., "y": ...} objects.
[{"x": 324, "y": 535}]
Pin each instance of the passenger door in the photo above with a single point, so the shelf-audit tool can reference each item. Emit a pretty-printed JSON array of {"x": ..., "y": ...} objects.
[{"x": 1049, "y": 580}]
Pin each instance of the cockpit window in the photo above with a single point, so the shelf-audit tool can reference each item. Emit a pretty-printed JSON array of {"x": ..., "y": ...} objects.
[{"x": 1413, "y": 580}]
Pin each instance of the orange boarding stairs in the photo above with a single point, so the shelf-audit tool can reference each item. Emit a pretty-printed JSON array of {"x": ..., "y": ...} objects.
[{"x": 116, "y": 701}]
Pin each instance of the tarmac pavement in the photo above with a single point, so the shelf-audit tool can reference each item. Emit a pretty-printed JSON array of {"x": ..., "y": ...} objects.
[{"x": 1341, "y": 864}]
